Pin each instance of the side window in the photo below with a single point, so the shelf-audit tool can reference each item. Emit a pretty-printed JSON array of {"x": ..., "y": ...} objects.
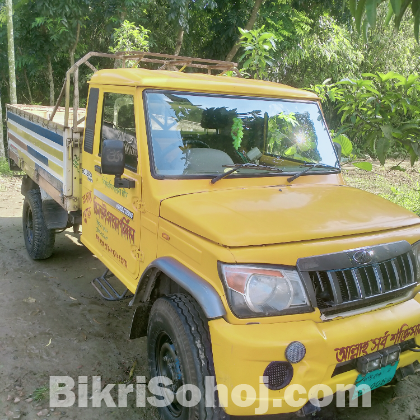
[
  {"x": 118, "y": 123},
  {"x": 91, "y": 119}
]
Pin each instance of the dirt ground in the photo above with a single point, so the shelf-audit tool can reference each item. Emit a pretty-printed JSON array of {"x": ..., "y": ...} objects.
[{"x": 52, "y": 322}]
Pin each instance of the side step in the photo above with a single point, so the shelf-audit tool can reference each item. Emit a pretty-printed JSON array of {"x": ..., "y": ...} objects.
[{"x": 106, "y": 290}]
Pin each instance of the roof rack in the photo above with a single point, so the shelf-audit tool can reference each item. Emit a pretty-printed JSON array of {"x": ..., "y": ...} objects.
[{"x": 165, "y": 62}]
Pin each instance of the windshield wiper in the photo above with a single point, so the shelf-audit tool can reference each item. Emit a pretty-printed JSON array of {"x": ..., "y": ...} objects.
[
  {"x": 244, "y": 165},
  {"x": 312, "y": 166}
]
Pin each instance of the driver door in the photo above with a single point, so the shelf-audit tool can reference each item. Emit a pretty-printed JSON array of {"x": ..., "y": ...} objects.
[{"x": 116, "y": 211}]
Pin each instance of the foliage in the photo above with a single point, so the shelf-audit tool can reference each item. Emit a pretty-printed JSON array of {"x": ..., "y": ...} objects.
[
  {"x": 257, "y": 45},
  {"x": 130, "y": 37},
  {"x": 180, "y": 10},
  {"x": 389, "y": 50},
  {"x": 365, "y": 13},
  {"x": 366, "y": 166},
  {"x": 378, "y": 111},
  {"x": 345, "y": 143},
  {"x": 4, "y": 167},
  {"x": 347, "y": 149},
  {"x": 237, "y": 132},
  {"x": 327, "y": 51}
]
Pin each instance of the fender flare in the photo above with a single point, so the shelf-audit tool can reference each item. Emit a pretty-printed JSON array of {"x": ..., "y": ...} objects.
[{"x": 201, "y": 290}]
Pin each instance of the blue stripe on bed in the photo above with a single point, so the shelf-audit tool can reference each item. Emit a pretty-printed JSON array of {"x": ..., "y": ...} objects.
[
  {"x": 38, "y": 156},
  {"x": 44, "y": 132}
]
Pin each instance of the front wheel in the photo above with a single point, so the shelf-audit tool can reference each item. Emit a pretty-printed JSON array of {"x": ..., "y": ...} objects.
[
  {"x": 179, "y": 348},
  {"x": 39, "y": 240}
]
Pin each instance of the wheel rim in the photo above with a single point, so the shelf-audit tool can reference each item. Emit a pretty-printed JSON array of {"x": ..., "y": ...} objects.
[
  {"x": 29, "y": 226},
  {"x": 169, "y": 365}
]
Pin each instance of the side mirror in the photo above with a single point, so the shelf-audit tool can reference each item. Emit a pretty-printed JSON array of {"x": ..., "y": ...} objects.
[
  {"x": 112, "y": 157},
  {"x": 338, "y": 150},
  {"x": 113, "y": 163}
]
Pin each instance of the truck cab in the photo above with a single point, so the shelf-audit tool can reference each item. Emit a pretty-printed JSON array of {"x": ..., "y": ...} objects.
[{"x": 220, "y": 204}]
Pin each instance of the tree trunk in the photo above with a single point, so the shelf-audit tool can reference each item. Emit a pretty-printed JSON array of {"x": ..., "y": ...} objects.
[
  {"x": 27, "y": 85},
  {"x": 248, "y": 27},
  {"x": 1, "y": 131},
  {"x": 11, "y": 52},
  {"x": 51, "y": 80},
  {"x": 179, "y": 39},
  {"x": 73, "y": 48}
]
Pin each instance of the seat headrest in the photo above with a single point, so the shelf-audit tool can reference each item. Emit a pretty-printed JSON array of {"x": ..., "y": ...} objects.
[{"x": 206, "y": 160}]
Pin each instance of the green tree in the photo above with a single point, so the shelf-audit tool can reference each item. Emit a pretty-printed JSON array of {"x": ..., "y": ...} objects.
[
  {"x": 2, "y": 154},
  {"x": 257, "y": 46},
  {"x": 378, "y": 112},
  {"x": 130, "y": 37},
  {"x": 250, "y": 24},
  {"x": 11, "y": 52},
  {"x": 365, "y": 13},
  {"x": 180, "y": 13},
  {"x": 327, "y": 50}
]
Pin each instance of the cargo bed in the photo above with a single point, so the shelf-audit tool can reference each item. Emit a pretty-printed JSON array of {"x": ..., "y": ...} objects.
[{"x": 48, "y": 151}]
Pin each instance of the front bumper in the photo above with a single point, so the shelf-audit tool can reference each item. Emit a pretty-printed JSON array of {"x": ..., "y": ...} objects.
[{"x": 242, "y": 352}]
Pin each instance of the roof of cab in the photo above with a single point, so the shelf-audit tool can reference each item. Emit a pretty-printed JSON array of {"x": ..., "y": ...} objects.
[{"x": 197, "y": 82}]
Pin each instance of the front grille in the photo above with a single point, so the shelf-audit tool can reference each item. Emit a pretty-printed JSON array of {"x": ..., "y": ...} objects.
[
  {"x": 376, "y": 282},
  {"x": 279, "y": 375}
]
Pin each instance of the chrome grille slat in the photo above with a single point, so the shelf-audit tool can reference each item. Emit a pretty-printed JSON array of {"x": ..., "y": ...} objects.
[
  {"x": 413, "y": 274},
  {"x": 401, "y": 274},
  {"x": 397, "y": 277},
  {"x": 404, "y": 265},
  {"x": 385, "y": 277},
  {"x": 378, "y": 277},
  {"x": 391, "y": 274},
  {"x": 335, "y": 286},
  {"x": 321, "y": 283},
  {"x": 351, "y": 285},
  {"x": 366, "y": 283},
  {"x": 359, "y": 285}
]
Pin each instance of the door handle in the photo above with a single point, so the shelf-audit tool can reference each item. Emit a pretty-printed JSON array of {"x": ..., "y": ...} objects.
[{"x": 98, "y": 169}]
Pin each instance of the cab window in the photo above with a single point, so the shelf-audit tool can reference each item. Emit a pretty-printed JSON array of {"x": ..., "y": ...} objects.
[{"x": 118, "y": 123}]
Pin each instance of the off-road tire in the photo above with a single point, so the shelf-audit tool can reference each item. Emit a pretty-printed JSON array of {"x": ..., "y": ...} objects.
[
  {"x": 181, "y": 318},
  {"x": 39, "y": 240}
]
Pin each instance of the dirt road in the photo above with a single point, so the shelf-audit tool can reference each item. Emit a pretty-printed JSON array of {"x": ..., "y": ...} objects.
[{"x": 52, "y": 322}]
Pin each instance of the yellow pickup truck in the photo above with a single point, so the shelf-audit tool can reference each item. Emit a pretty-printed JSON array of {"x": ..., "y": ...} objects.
[{"x": 257, "y": 275}]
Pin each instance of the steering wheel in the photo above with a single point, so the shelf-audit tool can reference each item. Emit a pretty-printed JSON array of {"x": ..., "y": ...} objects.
[{"x": 186, "y": 142}]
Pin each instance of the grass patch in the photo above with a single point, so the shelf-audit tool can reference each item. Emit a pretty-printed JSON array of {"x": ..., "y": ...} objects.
[
  {"x": 41, "y": 394},
  {"x": 4, "y": 167},
  {"x": 402, "y": 188},
  {"x": 405, "y": 197}
]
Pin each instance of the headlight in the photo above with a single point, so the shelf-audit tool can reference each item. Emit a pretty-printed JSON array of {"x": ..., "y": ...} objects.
[
  {"x": 259, "y": 291},
  {"x": 416, "y": 251}
]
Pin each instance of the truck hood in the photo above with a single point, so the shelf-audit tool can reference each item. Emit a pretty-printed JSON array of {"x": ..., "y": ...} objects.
[{"x": 273, "y": 215}]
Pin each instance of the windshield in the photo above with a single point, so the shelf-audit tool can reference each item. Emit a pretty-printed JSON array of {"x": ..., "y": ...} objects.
[{"x": 197, "y": 135}]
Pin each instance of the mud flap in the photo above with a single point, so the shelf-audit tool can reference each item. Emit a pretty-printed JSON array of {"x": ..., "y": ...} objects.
[{"x": 54, "y": 215}]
